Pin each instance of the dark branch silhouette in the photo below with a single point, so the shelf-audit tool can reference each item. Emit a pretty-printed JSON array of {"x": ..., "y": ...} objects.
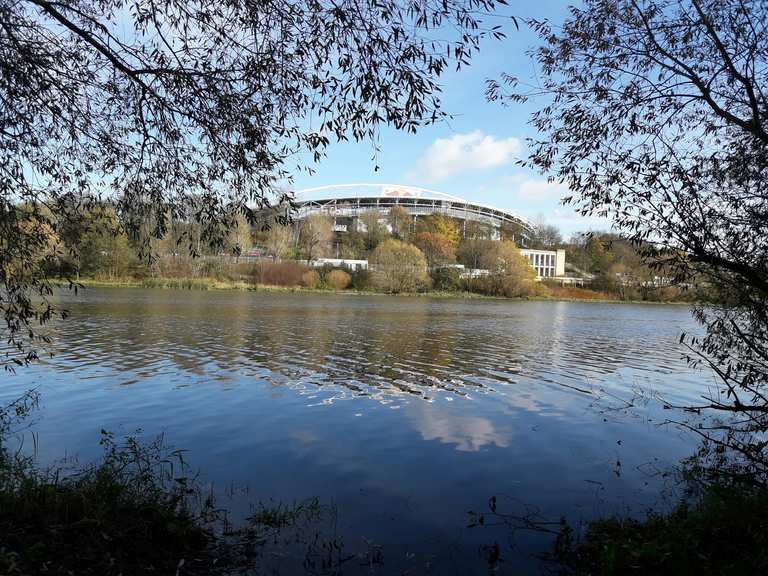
[
  {"x": 656, "y": 116},
  {"x": 152, "y": 107}
]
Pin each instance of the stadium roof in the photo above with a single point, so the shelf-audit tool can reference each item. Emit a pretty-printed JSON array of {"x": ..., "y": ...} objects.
[{"x": 391, "y": 191}]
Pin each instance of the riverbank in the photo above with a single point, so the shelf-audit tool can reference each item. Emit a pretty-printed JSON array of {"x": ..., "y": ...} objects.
[
  {"x": 556, "y": 294},
  {"x": 137, "y": 509},
  {"x": 721, "y": 531},
  {"x": 128, "y": 513}
]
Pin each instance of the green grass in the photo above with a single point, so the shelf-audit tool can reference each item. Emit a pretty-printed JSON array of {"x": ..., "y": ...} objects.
[
  {"x": 723, "y": 532},
  {"x": 132, "y": 512},
  {"x": 195, "y": 284}
]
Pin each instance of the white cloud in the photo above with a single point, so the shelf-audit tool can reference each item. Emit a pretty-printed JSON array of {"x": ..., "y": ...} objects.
[
  {"x": 541, "y": 190},
  {"x": 471, "y": 152},
  {"x": 535, "y": 190},
  {"x": 467, "y": 433},
  {"x": 538, "y": 198}
]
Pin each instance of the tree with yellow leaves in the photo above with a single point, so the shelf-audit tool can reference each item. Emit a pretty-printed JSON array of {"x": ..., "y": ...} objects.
[{"x": 509, "y": 272}]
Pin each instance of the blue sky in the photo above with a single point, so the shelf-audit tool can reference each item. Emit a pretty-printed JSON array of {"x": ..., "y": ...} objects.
[{"x": 473, "y": 155}]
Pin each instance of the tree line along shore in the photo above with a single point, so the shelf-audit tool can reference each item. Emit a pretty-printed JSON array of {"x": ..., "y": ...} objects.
[{"x": 429, "y": 255}]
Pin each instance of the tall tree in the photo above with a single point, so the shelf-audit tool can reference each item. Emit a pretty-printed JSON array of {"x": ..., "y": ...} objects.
[
  {"x": 515, "y": 232},
  {"x": 279, "y": 240},
  {"x": 148, "y": 102},
  {"x": 353, "y": 246},
  {"x": 103, "y": 248},
  {"x": 658, "y": 117},
  {"x": 446, "y": 226},
  {"x": 399, "y": 222},
  {"x": 509, "y": 272},
  {"x": 437, "y": 249},
  {"x": 373, "y": 230},
  {"x": 471, "y": 251},
  {"x": 315, "y": 236},
  {"x": 239, "y": 238},
  {"x": 544, "y": 236},
  {"x": 477, "y": 230}
]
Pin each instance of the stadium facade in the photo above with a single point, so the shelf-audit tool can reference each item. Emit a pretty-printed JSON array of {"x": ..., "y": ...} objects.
[{"x": 346, "y": 202}]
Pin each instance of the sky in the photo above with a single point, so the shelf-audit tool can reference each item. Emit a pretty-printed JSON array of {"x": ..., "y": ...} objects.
[{"x": 474, "y": 155}]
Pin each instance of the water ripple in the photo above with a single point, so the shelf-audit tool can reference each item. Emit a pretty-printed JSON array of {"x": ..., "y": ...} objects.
[{"x": 395, "y": 349}]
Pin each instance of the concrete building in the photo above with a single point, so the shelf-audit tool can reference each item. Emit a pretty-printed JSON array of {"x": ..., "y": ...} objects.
[
  {"x": 341, "y": 263},
  {"x": 344, "y": 203},
  {"x": 547, "y": 263}
]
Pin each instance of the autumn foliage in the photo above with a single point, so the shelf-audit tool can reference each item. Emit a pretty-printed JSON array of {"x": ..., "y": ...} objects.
[{"x": 437, "y": 249}]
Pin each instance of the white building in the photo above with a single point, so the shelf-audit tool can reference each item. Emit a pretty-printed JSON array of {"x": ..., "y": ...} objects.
[
  {"x": 341, "y": 263},
  {"x": 547, "y": 263}
]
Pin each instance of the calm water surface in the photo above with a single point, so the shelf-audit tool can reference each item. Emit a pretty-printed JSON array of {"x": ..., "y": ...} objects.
[{"x": 403, "y": 414}]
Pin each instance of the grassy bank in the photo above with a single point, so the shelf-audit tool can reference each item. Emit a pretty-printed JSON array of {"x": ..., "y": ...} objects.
[
  {"x": 135, "y": 511},
  {"x": 723, "y": 531},
  {"x": 559, "y": 294},
  {"x": 129, "y": 513}
]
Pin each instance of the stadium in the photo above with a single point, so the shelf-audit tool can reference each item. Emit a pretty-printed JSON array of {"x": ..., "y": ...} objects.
[{"x": 345, "y": 202}]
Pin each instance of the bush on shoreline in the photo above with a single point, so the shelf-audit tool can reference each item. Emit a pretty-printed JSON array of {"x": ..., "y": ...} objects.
[
  {"x": 361, "y": 283},
  {"x": 337, "y": 280},
  {"x": 136, "y": 511},
  {"x": 133, "y": 512},
  {"x": 717, "y": 528},
  {"x": 723, "y": 531},
  {"x": 310, "y": 279}
]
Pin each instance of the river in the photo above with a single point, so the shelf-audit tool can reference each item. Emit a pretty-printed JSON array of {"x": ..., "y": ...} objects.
[{"x": 401, "y": 414}]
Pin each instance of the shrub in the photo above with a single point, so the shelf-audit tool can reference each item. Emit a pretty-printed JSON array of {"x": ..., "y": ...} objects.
[
  {"x": 209, "y": 267},
  {"x": 179, "y": 283},
  {"x": 510, "y": 274},
  {"x": 400, "y": 267},
  {"x": 448, "y": 279},
  {"x": 362, "y": 279},
  {"x": 720, "y": 532},
  {"x": 176, "y": 266},
  {"x": 226, "y": 268},
  {"x": 338, "y": 279},
  {"x": 278, "y": 273},
  {"x": 105, "y": 519},
  {"x": 323, "y": 270},
  {"x": 508, "y": 286},
  {"x": 577, "y": 293},
  {"x": 310, "y": 279}
]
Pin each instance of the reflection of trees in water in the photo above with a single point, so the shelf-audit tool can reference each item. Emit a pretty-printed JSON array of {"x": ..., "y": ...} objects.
[
  {"x": 359, "y": 350},
  {"x": 146, "y": 333},
  {"x": 340, "y": 347}
]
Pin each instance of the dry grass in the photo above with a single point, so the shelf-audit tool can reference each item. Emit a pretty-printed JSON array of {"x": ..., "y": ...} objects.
[
  {"x": 277, "y": 273},
  {"x": 571, "y": 292}
]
